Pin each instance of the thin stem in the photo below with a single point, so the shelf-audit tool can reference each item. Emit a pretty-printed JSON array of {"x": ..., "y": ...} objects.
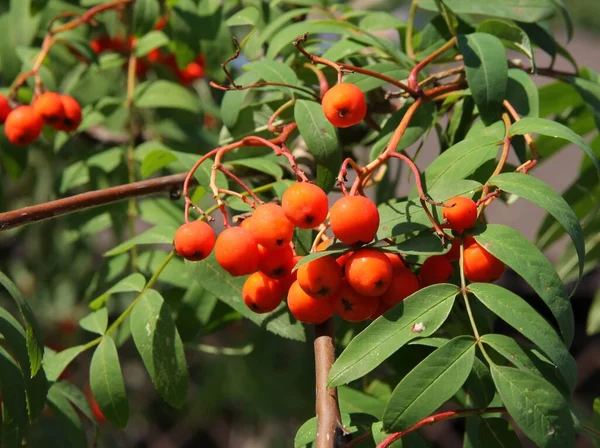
[
  {"x": 414, "y": 73},
  {"x": 412, "y": 12},
  {"x": 323, "y": 84},
  {"x": 528, "y": 138},
  {"x": 276, "y": 114},
  {"x": 130, "y": 153},
  {"x": 237, "y": 180},
  {"x": 442, "y": 416},
  {"x": 265, "y": 84}
]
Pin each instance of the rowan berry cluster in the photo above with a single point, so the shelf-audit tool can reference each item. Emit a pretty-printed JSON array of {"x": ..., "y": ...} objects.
[{"x": 23, "y": 124}]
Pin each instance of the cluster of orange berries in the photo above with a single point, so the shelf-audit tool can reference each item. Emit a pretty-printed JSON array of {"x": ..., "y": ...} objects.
[
  {"x": 358, "y": 285},
  {"x": 23, "y": 124}
]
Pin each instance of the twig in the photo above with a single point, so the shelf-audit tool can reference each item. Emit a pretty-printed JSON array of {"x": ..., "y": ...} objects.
[
  {"x": 130, "y": 151},
  {"x": 329, "y": 422},
  {"x": 412, "y": 12},
  {"x": 61, "y": 207},
  {"x": 414, "y": 73}
]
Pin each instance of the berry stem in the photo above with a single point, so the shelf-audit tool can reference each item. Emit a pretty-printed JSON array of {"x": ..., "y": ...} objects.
[
  {"x": 449, "y": 415},
  {"x": 414, "y": 73},
  {"x": 272, "y": 118},
  {"x": 323, "y": 84}
]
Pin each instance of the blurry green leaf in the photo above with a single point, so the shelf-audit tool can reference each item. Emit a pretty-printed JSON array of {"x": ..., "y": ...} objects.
[
  {"x": 429, "y": 385},
  {"x": 420, "y": 244},
  {"x": 79, "y": 43},
  {"x": 487, "y": 72},
  {"x": 525, "y": 319},
  {"x": 247, "y": 16},
  {"x": 149, "y": 42},
  {"x": 593, "y": 319},
  {"x": 540, "y": 193},
  {"x": 234, "y": 100},
  {"x": 510, "y": 247},
  {"x": 145, "y": 15},
  {"x": 524, "y": 10},
  {"x": 156, "y": 160},
  {"x": 131, "y": 283},
  {"x": 156, "y": 235},
  {"x": 72, "y": 393},
  {"x": 106, "y": 381},
  {"x": 279, "y": 22},
  {"x": 497, "y": 433},
  {"x": 546, "y": 41},
  {"x": 57, "y": 363},
  {"x": 275, "y": 72},
  {"x": 511, "y": 36},
  {"x": 96, "y": 321},
  {"x": 321, "y": 140},
  {"x": 379, "y": 20},
  {"x": 418, "y": 316},
  {"x": 14, "y": 415},
  {"x": 160, "y": 347},
  {"x": 228, "y": 289},
  {"x": 35, "y": 347},
  {"x": 262, "y": 164},
  {"x": 417, "y": 127},
  {"x": 167, "y": 94},
  {"x": 590, "y": 92},
  {"x": 352, "y": 400},
  {"x": 368, "y": 83},
  {"x": 63, "y": 409},
  {"x": 343, "y": 48},
  {"x": 307, "y": 433},
  {"x": 556, "y": 97},
  {"x": 539, "y": 410}
]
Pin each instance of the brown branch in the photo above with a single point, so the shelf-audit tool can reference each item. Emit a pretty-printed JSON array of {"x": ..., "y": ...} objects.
[
  {"x": 60, "y": 207},
  {"x": 329, "y": 429}
]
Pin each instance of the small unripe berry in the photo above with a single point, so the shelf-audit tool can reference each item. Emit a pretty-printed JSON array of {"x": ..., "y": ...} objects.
[
  {"x": 270, "y": 226},
  {"x": 49, "y": 107},
  {"x": 23, "y": 125},
  {"x": 305, "y": 205},
  {"x": 321, "y": 278},
  {"x": 306, "y": 308},
  {"x": 194, "y": 240},
  {"x": 344, "y": 105},
  {"x": 237, "y": 252},
  {"x": 369, "y": 272},
  {"x": 353, "y": 306},
  {"x": 404, "y": 283},
  {"x": 481, "y": 266},
  {"x": 4, "y": 108},
  {"x": 354, "y": 219},
  {"x": 436, "y": 269},
  {"x": 261, "y": 293},
  {"x": 460, "y": 213}
]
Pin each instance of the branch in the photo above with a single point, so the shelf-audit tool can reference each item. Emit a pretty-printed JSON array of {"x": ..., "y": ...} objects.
[
  {"x": 329, "y": 429},
  {"x": 60, "y": 207}
]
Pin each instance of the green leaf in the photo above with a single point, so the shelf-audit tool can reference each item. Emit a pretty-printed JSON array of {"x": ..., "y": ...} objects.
[
  {"x": 429, "y": 385},
  {"x": 247, "y": 16},
  {"x": 590, "y": 92},
  {"x": 131, "y": 283},
  {"x": 530, "y": 125},
  {"x": 63, "y": 409},
  {"x": 460, "y": 160},
  {"x": 234, "y": 100},
  {"x": 593, "y": 320},
  {"x": 537, "y": 407},
  {"x": 525, "y": 319},
  {"x": 149, "y": 42},
  {"x": 418, "y": 316},
  {"x": 262, "y": 164},
  {"x": 367, "y": 83},
  {"x": 165, "y": 94},
  {"x": 510, "y": 247},
  {"x": 496, "y": 432},
  {"x": 423, "y": 243},
  {"x": 356, "y": 401},
  {"x": 479, "y": 385},
  {"x": 228, "y": 289},
  {"x": 522, "y": 93},
  {"x": 145, "y": 15},
  {"x": 160, "y": 347},
  {"x": 321, "y": 140},
  {"x": 540, "y": 193},
  {"x": 35, "y": 346},
  {"x": 156, "y": 160},
  {"x": 523, "y": 10},
  {"x": 72, "y": 393},
  {"x": 556, "y": 97},
  {"x": 57, "y": 363},
  {"x": 417, "y": 127},
  {"x": 273, "y": 71},
  {"x": 14, "y": 415},
  {"x": 487, "y": 72},
  {"x": 108, "y": 386},
  {"x": 96, "y": 321},
  {"x": 156, "y": 235},
  {"x": 512, "y": 37}
]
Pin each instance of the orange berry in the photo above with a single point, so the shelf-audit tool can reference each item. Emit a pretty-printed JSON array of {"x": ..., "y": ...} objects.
[
  {"x": 352, "y": 306},
  {"x": 49, "y": 107},
  {"x": 436, "y": 269},
  {"x": 480, "y": 265},
  {"x": 342, "y": 259},
  {"x": 454, "y": 253},
  {"x": 305, "y": 205},
  {"x": 245, "y": 224},
  {"x": 460, "y": 213},
  {"x": 306, "y": 308},
  {"x": 291, "y": 277},
  {"x": 4, "y": 108},
  {"x": 237, "y": 252},
  {"x": 323, "y": 245},
  {"x": 72, "y": 114},
  {"x": 261, "y": 293},
  {"x": 396, "y": 260},
  {"x": 344, "y": 105},
  {"x": 190, "y": 73},
  {"x": 154, "y": 56},
  {"x": 23, "y": 125},
  {"x": 381, "y": 309},
  {"x": 194, "y": 240},
  {"x": 270, "y": 227},
  {"x": 276, "y": 263},
  {"x": 321, "y": 278},
  {"x": 354, "y": 219},
  {"x": 369, "y": 272},
  {"x": 404, "y": 283}
]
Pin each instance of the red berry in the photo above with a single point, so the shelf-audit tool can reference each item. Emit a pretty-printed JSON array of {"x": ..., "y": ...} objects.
[
  {"x": 306, "y": 308},
  {"x": 305, "y": 205},
  {"x": 4, "y": 108},
  {"x": 194, "y": 240},
  {"x": 344, "y": 105},
  {"x": 237, "y": 252},
  {"x": 480, "y": 265},
  {"x": 270, "y": 227},
  {"x": 436, "y": 269},
  {"x": 321, "y": 278},
  {"x": 353, "y": 306},
  {"x": 460, "y": 213},
  {"x": 72, "y": 114},
  {"x": 404, "y": 283},
  {"x": 261, "y": 293},
  {"x": 354, "y": 219},
  {"x": 369, "y": 272},
  {"x": 23, "y": 125},
  {"x": 275, "y": 263}
]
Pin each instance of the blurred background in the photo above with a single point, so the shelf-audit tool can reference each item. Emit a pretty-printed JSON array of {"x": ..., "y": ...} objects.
[{"x": 249, "y": 388}]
